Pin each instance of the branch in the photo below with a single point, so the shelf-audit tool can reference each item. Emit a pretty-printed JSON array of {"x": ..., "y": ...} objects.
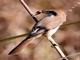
[
  {"x": 65, "y": 25},
  {"x": 56, "y": 46},
  {"x": 15, "y": 37},
  {"x": 29, "y": 11}
]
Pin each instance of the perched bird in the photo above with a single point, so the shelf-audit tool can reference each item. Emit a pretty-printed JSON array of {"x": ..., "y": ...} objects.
[{"x": 48, "y": 26}]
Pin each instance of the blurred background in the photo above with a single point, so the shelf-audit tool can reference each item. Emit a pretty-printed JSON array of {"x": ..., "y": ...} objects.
[{"x": 14, "y": 21}]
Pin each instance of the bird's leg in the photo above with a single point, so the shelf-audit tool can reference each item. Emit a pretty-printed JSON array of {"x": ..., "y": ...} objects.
[{"x": 56, "y": 46}]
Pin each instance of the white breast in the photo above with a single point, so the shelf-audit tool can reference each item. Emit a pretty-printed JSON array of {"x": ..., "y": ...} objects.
[{"x": 52, "y": 31}]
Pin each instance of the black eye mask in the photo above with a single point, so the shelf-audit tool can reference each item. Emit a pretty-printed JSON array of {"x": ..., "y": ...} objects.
[
  {"x": 53, "y": 12},
  {"x": 49, "y": 12}
]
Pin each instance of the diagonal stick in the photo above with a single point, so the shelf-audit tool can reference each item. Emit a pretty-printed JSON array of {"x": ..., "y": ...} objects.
[
  {"x": 29, "y": 11},
  {"x": 55, "y": 45},
  {"x": 72, "y": 55}
]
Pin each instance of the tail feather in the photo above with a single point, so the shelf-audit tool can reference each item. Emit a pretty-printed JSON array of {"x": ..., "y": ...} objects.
[{"x": 23, "y": 44}]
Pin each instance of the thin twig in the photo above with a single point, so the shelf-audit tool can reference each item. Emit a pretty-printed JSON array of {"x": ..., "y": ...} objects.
[
  {"x": 29, "y": 11},
  {"x": 65, "y": 25},
  {"x": 71, "y": 55},
  {"x": 11, "y": 38},
  {"x": 56, "y": 46},
  {"x": 14, "y": 37}
]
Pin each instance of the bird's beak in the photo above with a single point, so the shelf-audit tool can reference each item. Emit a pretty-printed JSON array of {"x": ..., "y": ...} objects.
[
  {"x": 38, "y": 12},
  {"x": 44, "y": 11}
]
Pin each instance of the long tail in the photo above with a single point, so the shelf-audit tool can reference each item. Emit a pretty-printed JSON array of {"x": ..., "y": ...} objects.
[{"x": 23, "y": 44}]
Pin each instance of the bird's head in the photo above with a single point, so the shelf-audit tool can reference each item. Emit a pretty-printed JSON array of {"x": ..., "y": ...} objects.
[
  {"x": 57, "y": 13},
  {"x": 49, "y": 12}
]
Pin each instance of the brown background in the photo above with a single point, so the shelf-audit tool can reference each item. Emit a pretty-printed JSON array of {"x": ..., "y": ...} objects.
[{"x": 14, "y": 20}]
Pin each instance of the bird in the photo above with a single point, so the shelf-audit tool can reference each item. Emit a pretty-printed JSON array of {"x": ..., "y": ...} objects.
[{"x": 46, "y": 26}]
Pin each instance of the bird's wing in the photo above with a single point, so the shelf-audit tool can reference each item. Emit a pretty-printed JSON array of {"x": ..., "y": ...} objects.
[
  {"x": 51, "y": 22},
  {"x": 37, "y": 30}
]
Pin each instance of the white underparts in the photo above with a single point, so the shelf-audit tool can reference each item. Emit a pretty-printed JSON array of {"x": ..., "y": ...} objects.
[{"x": 52, "y": 31}]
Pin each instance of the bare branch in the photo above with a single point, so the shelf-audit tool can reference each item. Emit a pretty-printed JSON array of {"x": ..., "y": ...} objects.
[
  {"x": 29, "y": 11},
  {"x": 56, "y": 46}
]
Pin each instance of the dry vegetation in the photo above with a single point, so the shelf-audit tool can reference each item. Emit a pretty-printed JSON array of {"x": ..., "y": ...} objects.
[{"x": 14, "y": 20}]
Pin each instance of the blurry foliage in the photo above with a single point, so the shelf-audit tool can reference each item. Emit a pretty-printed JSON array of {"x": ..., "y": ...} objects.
[{"x": 15, "y": 21}]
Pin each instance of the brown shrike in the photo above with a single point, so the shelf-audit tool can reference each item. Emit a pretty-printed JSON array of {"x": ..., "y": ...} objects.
[{"x": 48, "y": 25}]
